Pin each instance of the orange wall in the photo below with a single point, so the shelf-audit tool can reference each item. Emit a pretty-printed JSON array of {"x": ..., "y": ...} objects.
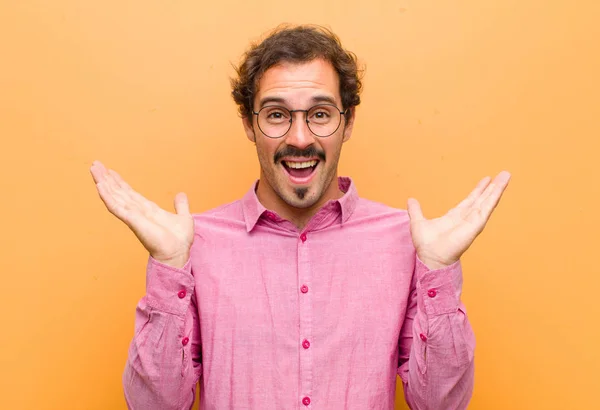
[{"x": 454, "y": 91}]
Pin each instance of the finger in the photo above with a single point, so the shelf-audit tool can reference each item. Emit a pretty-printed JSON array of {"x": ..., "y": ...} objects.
[
  {"x": 98, "y": 171},
  {"x": 129, "y": 195},
  {"x": 491, "y": 200},
  {"x": 414, "y": 210},
  {"x": 116, "y": 196},
  {"x": 122, "y": 188},
  {"x": 499, "y": 182},
  {"x": 475, "y": 193},
  {"x": 120, "y": 182},
  {"x": 132, "y": 195},
  {"x": 109, "y": 180},
  {"x": 182, "y": 207},
  {"x": 120, "y": 206},
  {"x": 107, "y": 196}
]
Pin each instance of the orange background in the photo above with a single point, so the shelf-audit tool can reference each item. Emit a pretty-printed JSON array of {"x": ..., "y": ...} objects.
[{"x": 453, "y": 91}]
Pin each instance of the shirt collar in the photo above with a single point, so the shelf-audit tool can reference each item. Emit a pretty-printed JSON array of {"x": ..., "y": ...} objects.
[{"x": 253, "y": 209}]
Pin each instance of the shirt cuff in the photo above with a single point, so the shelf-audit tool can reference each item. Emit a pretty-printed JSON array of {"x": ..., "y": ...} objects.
[
  {"x": 169, "y": 289},
  {"x": 438, "y": 290}
]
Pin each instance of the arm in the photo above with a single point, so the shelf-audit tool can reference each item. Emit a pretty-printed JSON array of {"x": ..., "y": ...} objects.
[
  {"x": 436, "y": 342},
  {"x": 164, "y": 362}
]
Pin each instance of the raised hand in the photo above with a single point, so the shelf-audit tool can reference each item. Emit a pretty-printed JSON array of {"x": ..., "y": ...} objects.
[
  {"x": 441, "y": 241},
  {"x": 167, "y": 236}
]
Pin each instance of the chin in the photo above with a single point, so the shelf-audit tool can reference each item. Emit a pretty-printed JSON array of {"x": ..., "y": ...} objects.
[{"x": 300, "y": 197}]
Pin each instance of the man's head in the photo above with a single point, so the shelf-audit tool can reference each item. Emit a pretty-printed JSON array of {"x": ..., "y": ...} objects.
[{"x": 299, "y": 68}]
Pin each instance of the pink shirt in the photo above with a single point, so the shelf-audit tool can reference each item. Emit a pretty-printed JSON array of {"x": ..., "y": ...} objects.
[{"x": 270, "y": 317}]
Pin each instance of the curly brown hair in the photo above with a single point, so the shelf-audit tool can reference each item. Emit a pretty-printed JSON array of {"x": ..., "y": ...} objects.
[{"x": 296, "y": 44}]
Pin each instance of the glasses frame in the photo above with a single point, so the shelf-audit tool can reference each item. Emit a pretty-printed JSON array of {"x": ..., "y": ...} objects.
[{"x": 342, "y": 113}]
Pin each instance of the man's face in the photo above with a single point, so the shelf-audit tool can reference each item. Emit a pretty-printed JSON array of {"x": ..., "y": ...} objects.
[{"x": 299, "y": 167}]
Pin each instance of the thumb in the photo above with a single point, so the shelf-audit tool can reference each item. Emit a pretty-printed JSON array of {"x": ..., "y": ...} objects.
[
  {"x": 182, "y": 206},
  {"x": 414, "y": 210}
]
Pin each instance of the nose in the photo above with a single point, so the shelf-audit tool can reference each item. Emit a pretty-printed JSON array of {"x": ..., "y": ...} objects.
[{"x": 299, "y": 135}]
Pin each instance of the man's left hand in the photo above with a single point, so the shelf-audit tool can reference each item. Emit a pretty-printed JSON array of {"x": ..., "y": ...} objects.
[{"x": 440, "y": 242}]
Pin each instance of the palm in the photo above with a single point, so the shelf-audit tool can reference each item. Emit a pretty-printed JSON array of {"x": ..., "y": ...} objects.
[
  {"x": 441, "y": 241},
  {"x": 164, "y": 234}
]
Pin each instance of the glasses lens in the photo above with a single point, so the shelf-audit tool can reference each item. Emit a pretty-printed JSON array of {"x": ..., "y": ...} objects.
[
  {"x": 324, "y": 120},
  {"x": 273, "y": 121}
]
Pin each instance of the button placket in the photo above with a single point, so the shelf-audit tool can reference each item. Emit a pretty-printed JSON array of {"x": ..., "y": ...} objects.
[{"x": 305, "y": 304}]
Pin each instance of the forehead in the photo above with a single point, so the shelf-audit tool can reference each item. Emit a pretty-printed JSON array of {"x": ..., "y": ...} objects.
[{"x": 299, "y": 84}]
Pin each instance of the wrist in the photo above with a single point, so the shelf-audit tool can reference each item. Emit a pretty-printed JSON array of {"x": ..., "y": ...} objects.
[
  {"x": 176, "y": 261},
  {"x": 434, "y": 264}
]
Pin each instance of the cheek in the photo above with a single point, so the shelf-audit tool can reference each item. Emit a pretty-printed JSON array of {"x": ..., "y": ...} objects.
[
  {"x": 332, "y": 149},
  {"x": 266, "y": 149}
]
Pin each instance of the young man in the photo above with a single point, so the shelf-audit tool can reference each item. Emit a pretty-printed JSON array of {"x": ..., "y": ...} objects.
[{"x": 301, "y": 294}]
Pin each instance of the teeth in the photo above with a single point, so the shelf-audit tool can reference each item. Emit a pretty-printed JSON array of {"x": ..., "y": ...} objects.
[{"x": 300, "y": 165}]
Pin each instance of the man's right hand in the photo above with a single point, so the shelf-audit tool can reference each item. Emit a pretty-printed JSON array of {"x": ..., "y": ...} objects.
[{"x": 167, "y": 236}]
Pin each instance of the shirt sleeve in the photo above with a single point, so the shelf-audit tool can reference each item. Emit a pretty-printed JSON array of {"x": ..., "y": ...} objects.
[
  {"x": 436, "y": 360},
  {"x": 164, "y": 361}
]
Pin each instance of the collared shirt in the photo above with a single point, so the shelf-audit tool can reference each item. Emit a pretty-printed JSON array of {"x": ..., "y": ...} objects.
[{"x": 267, "y": 316}]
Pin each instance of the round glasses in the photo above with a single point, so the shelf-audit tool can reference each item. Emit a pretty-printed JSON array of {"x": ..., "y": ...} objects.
[{"x": 323, "y": 120}]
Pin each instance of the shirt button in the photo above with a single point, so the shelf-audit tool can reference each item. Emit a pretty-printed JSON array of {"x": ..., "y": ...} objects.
[
  {"x": 303, "y": 237},
  {"x": 304, "y": 289},
  {"x": 306, "y": 401},
  {"x": 423, "y": 337},
  {"x": 305, "y": 344},
  {"x": 185, "y": 341},
  {"x": 271, "y": 216},
  {"x": 431, "y": 293},
  {"x": 181, "y": 294}
]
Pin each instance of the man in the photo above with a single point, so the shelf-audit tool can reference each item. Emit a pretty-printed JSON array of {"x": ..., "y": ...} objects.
[{"x": 301, "y": 294}]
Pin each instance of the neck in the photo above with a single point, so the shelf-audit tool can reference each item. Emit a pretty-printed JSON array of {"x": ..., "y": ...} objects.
[{"x": 298, "y": 216}]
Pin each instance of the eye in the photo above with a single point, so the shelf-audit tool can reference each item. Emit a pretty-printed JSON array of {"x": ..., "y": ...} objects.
[
  {"x": 323, "y": 114},
  {"x": 275, "y": 114}
]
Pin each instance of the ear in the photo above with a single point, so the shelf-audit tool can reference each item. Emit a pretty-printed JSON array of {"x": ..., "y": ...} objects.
[
  {"x": 249, "y": 128},
  {"x": 349, "y": 123}
]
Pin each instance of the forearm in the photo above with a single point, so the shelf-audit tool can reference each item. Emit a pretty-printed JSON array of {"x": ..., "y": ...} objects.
[
  {"x": 160, "y": 372},
  {"x": 441, "y": 368},
  {"x": 439, "y": 372}
]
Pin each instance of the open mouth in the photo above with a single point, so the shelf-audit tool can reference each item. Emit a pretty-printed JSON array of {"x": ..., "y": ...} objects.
[{"x": 300, "y": 171}]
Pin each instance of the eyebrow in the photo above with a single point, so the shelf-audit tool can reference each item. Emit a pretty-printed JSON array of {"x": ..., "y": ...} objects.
[{"x": 315, "y": 100}]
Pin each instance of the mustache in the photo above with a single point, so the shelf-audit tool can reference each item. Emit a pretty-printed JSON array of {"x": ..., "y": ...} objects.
[{"x": 291, "y": 151}]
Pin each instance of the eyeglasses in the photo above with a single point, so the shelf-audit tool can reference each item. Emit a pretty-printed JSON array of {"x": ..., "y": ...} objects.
[{"x": 323, "y": 120}]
